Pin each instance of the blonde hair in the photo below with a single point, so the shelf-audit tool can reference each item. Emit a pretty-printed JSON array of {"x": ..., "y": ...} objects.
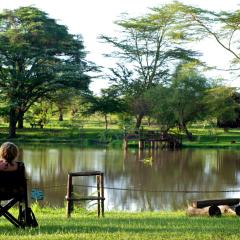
[{"x": 9, "y": 151}]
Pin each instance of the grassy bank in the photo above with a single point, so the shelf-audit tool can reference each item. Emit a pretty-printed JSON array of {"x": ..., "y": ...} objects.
[
  {"x": 213, "y": 138},
  {"x": 95, "y": 134},
  {"x": 86, "y": 136},
  {"x": 53, "y": 224}
]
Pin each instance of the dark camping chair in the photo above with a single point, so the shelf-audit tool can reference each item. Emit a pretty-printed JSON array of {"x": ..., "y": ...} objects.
[{"x": 13, "y": 190}]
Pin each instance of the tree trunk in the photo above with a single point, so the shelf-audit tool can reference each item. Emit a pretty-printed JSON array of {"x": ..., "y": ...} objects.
[
  {"x": 20, "y": 119},
  {"x": 106, "y": 121},
  {"x": 139, "y": 121},
  {"x": 189, "y": 135},
  {"x": 149, "y": 121},
  {"x": 12, "y": 123},
  {"x": 73, "y": 112},
  {"x": 60, "y": 117}
]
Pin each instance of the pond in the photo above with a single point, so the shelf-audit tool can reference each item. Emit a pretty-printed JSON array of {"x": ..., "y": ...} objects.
[{"x": 134, "y": 180}]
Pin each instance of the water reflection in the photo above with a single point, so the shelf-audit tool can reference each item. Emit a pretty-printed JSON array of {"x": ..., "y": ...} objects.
[{"x": 167, "y": 173}]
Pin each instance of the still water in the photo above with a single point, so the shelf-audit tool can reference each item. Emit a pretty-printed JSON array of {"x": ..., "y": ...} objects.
[{"x": 134, "y": 180}]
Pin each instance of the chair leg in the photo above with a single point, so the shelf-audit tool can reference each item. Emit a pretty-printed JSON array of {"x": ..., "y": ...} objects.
[
  {"x": 7, "y": 206},
  {"x": 12, "y": 219},
  {"x": 4, "y": 212}
]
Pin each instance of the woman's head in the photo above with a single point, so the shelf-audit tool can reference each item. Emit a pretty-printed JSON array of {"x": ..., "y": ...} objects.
[{"x": 8, "y": 151}]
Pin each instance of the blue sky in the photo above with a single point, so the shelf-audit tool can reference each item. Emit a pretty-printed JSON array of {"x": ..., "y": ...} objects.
[{"x": 94, "y": 17}]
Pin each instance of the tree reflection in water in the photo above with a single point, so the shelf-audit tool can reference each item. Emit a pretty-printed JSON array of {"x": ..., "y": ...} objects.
[{"x": 169, "y": 172}]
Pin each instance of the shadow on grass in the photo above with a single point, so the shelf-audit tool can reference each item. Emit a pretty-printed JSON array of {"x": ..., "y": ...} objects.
[{"x": 157, "y": 225}]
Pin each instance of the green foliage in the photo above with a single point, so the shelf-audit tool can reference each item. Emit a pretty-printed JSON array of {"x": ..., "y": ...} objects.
[
  {"x": 147, "y": 51},
  {"x": 125, "y": 121},
  {"x": 108, "y": 136},
  {"x": 188, "y": 90},
  {"x": 159, "y": 99},
  {"x": 182, "y": 101},
  {"x": 37, "y": 57},
  {"x": 107, "y": 103},
  {"x": 39, "y": 111},
  {"x": 222, "y": 26},
  {"x": 221, "y": 103}
]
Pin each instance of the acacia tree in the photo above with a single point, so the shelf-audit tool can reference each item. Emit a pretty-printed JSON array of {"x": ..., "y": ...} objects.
[
  {"x": 147, "y": 50},
  {"x": 37, "y": 56},
  {"x": 183, "y": 101},
  {"x": 188, "y": 89},
  {"x": 223, "y": 26}
]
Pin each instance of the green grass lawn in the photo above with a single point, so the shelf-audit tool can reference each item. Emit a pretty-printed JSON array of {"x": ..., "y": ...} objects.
[
  {"x": 90, "y": 134},
  {"x": 216, "y": 138},
  {"x": 53, "y": 224},
  {"x": 74, "y": 134}
]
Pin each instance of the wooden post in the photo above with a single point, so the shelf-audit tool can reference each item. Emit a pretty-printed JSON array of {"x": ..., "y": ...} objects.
[
  {"x": 102, "y": 193},
  {"x": 98, "y": 193},
  {"x": 69, "y": 195}
]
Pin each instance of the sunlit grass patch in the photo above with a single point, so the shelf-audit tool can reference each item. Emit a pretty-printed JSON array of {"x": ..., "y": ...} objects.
[{"x": 53, "y": 224}]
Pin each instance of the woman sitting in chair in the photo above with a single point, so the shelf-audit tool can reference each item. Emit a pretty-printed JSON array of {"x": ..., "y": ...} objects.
[{"x": 8, "y": 154}]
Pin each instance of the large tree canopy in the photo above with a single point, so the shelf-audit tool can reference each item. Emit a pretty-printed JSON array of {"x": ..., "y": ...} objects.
[
  {"x": 37, "y": 57},
  {"x": 147, "y": 50},
  {"x": 182, "y": 101}
]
